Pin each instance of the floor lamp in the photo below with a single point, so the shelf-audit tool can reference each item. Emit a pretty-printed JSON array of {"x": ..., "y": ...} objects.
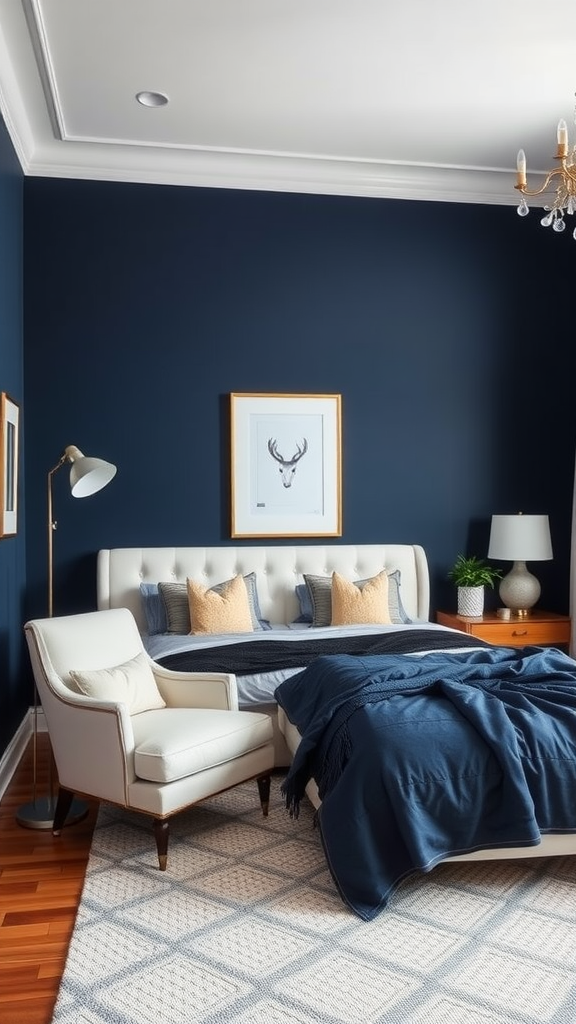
[{"x": 87, "y": 476}]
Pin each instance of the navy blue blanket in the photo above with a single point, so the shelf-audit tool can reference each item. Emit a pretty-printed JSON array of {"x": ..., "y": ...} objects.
[
  {"x": 246, "y": 657},
  {"x": 418, "y": 758}
]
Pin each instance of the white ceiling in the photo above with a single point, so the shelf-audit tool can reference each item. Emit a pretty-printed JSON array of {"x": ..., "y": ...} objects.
[{"x": 418, "y": 99}]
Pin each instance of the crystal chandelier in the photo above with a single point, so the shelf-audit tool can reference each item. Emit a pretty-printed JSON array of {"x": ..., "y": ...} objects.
[{"x": 561, "y": 178}]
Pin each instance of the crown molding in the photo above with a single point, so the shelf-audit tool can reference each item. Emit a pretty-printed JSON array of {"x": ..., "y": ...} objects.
[{"x": 261, "y": 172}]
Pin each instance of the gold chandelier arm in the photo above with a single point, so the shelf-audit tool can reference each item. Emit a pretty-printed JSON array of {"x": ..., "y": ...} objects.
[
  {"x": 563, "y": 171},
  {"x": 570, "y": 172}
]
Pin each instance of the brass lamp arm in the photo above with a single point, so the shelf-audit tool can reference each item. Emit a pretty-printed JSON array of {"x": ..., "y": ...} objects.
[{"x": 51, "y": 527}]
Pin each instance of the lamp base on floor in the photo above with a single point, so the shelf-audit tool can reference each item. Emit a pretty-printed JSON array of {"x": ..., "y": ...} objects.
[{"x": 39, "y": 813}]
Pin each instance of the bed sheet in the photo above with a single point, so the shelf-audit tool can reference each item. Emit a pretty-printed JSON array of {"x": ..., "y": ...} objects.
[{"x": 259, "y": 688}]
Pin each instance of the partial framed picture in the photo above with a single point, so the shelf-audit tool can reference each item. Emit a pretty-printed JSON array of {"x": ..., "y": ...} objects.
[
  {"x": 9, "y": 423},
  {"x": 286, "y": 465}
]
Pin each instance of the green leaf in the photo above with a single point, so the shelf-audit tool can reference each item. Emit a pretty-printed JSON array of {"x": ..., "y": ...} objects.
[{"x": 473, "y": 572}]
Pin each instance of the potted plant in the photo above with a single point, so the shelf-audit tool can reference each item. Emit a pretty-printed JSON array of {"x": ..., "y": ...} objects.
[{"x": 471, "y": 575}]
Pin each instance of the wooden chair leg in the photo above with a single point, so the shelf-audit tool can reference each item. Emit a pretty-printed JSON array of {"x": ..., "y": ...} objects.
[
  {"x": 264, "y": 793},
  {"x": 161, "y": 834},
  {"x": 63, "y": 805}
]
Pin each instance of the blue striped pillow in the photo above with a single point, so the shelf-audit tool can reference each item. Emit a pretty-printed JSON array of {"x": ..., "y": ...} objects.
[{"x": 154, "y": 609}]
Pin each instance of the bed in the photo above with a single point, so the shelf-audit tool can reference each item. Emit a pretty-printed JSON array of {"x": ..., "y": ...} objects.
[
  {"x": 125, "y": 576},
  {"x": 290, "y": 661}
]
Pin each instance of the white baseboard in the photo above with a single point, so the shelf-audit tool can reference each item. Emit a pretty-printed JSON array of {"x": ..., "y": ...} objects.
[{"x": 11, "y": 757}]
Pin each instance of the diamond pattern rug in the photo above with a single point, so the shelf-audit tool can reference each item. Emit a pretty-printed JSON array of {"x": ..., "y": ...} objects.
[{"x": 246, "y": 927}]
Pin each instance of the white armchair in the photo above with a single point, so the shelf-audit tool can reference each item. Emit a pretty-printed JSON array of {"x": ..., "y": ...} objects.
[{"x": 93, "y": 676}]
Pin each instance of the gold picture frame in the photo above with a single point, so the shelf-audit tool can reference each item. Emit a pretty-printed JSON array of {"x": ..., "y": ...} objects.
[
  {"x": 286, "y": 465},
  {"x": 9, "y": 445}
]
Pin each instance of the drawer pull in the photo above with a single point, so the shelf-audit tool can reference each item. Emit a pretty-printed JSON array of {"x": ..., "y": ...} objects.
[{"x": 519, "y": 632}]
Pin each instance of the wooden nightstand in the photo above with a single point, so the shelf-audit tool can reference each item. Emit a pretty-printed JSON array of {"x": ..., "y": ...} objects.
[{"x": 539, "y": 629}]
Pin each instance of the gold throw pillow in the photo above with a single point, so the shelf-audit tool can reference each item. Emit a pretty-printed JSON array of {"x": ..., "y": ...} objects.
[
  {"x": 224, "y": 612},
  {"x": 354, "y": 606}
]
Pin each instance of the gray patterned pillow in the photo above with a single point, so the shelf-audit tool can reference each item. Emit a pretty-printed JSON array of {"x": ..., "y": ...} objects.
[
  {"x": 175, "y": 598},
  {"x": 319, "y": 589}
]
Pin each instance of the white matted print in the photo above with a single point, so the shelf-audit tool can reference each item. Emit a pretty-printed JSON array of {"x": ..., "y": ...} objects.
[
  {"x": 9, "y": 417},
  {"x": 286, "y": 465}
]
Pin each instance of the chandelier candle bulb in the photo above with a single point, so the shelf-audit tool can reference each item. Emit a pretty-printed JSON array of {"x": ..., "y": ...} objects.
[
  {"x": 562, "y": 138},
  {"x": 521, "y": 167}
]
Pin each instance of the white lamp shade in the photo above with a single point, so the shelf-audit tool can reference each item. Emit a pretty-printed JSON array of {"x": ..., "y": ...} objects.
[
  {"x": 88, "y": 475},
  {"x": 520, "y": 538}
]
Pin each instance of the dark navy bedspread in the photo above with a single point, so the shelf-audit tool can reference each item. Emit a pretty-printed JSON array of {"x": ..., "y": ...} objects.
[
  {"x": 420, "y": 758},
  {"x": 246, "y": 656}
]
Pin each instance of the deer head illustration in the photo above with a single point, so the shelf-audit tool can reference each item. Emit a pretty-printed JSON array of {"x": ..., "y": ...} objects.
[{"x": 287, "y": 467}]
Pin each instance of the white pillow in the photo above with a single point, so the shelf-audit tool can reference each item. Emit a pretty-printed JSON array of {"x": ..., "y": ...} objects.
[{"x": 133, "y": 683}]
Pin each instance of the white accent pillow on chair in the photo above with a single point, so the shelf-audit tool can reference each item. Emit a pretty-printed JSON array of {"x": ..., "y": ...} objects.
[{"x": 133, "y": 683}]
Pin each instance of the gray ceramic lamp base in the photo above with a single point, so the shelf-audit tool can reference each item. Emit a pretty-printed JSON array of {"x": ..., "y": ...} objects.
[{"x": 519, "y": 590}]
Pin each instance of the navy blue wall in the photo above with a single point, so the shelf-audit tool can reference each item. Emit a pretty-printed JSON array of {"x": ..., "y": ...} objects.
[
  {"x": 13, "y": 698},
  {"x": 444, "y": 327}
]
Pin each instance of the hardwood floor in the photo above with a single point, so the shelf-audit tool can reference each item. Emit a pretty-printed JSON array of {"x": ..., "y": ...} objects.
[{"x": 41, "y": 878}]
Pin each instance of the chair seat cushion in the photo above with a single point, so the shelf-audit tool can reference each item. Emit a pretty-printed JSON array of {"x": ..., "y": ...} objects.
[{"x": 176, "y": 742}]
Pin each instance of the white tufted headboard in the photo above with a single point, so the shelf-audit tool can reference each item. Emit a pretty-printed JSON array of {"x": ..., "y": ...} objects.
[{"x": 120, "y": 571}]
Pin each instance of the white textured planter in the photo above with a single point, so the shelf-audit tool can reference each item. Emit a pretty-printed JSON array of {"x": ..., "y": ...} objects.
[{"x": 471, "y": 601}]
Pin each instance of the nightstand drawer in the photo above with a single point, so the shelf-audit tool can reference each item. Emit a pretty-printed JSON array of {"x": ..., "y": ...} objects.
[{"x": 523, "y": 631}]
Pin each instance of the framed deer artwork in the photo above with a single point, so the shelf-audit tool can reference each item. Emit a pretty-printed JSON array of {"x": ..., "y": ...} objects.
[
  {"x": 286, "y": 465},
  {"x": 9, "y": 418}
]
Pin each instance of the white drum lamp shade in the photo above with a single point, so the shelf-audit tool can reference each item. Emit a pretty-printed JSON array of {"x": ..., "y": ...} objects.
[{"x": 519, "y": 539}]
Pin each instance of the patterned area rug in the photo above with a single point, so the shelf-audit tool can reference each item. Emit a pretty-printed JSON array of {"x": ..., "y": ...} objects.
[{"x": 246, "y": 927}]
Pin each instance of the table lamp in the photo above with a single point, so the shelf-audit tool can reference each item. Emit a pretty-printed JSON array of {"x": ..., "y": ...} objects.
[{"x": 520, "y": 539}]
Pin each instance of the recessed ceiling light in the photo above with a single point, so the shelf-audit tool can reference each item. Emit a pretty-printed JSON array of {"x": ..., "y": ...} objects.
[{"x": 152, "y": 99}]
